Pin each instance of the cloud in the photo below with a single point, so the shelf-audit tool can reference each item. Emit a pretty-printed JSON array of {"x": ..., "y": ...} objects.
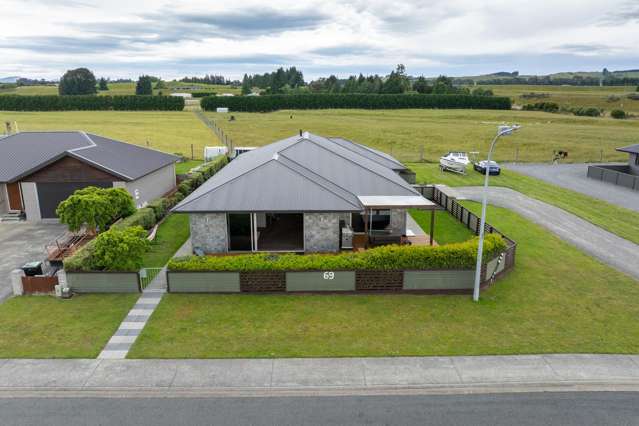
[
  {"x": 62, "y": 44},
  {"x": 628, "y": 12},
  {"x": 584, "y": 48},
  {"x": 344, "y": 50}
]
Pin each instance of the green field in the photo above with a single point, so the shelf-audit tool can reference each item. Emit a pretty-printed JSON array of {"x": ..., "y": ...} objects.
[
  {"x": 126, "y": 89},
  {"x": 404, "y": 133},
  {"x": 166, "y": 131},
  {"x": 574, "y": 96},
  {"x": 556, "y": 300}
]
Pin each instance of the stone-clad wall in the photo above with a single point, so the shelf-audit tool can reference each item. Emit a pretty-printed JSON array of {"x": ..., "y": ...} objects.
[
  {"x": 209, "y": 232},
  {"x": 321, "y": 232},
  {"x": 398, "y": 221}
]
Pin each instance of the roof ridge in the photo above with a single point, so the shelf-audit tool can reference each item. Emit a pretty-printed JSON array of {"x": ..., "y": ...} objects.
[
  {"x": 372, "y": 151},
  {"x": 366, "y": 168},
  {"x": 317, "y": 183}
]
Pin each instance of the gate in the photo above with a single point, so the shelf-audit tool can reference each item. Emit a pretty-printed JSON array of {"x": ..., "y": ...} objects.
[{"x": 147, "y": 275}]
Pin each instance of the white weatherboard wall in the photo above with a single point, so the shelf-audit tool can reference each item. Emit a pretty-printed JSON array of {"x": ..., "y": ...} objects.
[
  {"x": 30, "y": 200},
  {"x": 4, "y": 198},
  {"x": 151, "y": 186}
]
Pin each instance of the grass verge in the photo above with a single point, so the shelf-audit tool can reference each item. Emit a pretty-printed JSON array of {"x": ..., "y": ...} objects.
[
  {"x": 618, "y": 220},
  {"x": 46, "y": 327},
  {"x": 557, "y": 300},
  {"x": 184, "y": 167}
]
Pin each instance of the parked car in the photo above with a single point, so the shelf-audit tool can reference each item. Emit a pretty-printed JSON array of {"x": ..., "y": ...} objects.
[{"x": 493, "y": 167}]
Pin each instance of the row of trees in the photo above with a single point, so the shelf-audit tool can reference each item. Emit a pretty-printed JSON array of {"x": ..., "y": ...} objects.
[
  {"x": 211, "y": 79},
  {"x": 81, "y": 81},
  {"x": 276, "y": 82}
]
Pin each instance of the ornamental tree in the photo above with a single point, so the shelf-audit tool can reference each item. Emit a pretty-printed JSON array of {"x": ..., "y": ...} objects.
[
  {"x": 120, "y": 249},
  {"x": 95, "y": 208}
]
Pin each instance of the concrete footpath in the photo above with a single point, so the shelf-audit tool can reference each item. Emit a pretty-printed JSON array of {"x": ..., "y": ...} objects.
[{"x": 317, "y": 376}]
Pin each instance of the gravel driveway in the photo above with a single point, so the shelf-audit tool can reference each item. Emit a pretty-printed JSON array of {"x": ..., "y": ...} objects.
[
  {"x": 617, "y": 252},
  {"x": 573, "y": 176},
  {"x": 21, "y": 242}
]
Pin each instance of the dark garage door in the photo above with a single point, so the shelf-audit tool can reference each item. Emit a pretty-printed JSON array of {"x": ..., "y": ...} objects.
[{"x": 51, "y": 194}]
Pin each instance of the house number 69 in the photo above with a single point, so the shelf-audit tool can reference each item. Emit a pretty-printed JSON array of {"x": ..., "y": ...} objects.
[{"x": 329, "y": 275}]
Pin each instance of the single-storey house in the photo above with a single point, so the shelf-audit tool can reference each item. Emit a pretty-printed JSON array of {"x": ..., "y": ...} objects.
[
  {"x": 306, "y": 193},
  {"x": 633, "y": 158},
  {"x": 38, "y": 170}
]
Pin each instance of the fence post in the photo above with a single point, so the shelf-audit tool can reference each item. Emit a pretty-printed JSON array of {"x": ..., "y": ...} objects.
[
  {"x": 16, "y": 282},
  {"x": 421, "y": 153}
]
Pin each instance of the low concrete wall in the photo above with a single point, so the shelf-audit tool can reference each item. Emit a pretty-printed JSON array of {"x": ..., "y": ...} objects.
[
  {"x": 320, "y": 281},
  {"x": 103, "y": 282},
  {"x": 203, "y": 282},
  {"x": 439, "y": 280}
]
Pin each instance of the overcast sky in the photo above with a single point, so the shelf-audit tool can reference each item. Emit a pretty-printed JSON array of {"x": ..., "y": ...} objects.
[{"x": 117, "y": 38}]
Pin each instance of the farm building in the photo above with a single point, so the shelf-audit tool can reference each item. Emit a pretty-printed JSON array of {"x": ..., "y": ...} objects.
[
  {"x": 622, "y": 175},
  {"x": 38, "y": 170},
  {"x": 306, "y": 193}
]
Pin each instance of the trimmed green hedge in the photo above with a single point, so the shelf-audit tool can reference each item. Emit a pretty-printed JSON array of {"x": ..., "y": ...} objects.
[
  {"x": 91, "y": 103},
  {"x": 147, "y": 217},
  {"x": 393, "y": 257},
  {"x": 202, "y": 94},
  {"x": 358, "y": 100}
]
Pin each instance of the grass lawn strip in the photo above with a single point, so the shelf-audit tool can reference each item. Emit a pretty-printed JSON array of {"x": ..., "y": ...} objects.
[
  {"x": 557, "y": 300},
  {"x": 618, "y": 220},
  {"x": 184, "y": 167},
  {"x": 447, "y": 229},
  {"x": 171, "y": 235},
  {"x": 46, "y": 327}
]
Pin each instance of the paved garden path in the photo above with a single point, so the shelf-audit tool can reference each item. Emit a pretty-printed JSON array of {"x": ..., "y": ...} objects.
[
  {"x": 131, "y": 327},
  {"x": 617, "y": 252},
  {"x": 573, "y": 176},
  {"x": 341, "y": 376}
]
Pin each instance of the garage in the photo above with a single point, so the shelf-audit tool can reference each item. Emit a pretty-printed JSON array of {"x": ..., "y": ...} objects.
[{"x": 50, "y": 195}]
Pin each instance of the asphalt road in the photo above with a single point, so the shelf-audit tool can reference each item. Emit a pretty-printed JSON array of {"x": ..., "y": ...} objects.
[
  {"x": 573, "y": 176},
  {"x": 617, "y": 252},
  {"x": 579, "y": 408}
]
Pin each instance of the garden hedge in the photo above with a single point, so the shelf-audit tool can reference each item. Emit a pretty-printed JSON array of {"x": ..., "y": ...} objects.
[
  {"x": 91, "y": 103},
  {"x": 366, "y": 101},
  {"x": 393, "y": 257},
  {"x": 147, "y": 217}
]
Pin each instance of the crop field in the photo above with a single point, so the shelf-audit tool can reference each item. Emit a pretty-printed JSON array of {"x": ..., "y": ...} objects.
[
  {"x": 166, "y": 131},
  {"x": 607, "y": 97},
  {"x": 413, "y": 135},
  {"x": 125, "y": 89}
]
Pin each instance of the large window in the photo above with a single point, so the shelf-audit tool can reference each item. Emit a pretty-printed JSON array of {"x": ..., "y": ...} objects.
[
  {"x": 379, "y": 219},
  {"x": 240, "y": 232}
]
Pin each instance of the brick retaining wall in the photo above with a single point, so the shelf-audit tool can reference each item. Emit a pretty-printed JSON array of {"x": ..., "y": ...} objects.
[
  {"x": 379, "y": 280},
  {"x": 263, "y": 281}
]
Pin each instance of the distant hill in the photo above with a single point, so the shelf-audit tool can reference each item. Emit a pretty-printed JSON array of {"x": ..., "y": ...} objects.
[{"x": 9, "y": 79}]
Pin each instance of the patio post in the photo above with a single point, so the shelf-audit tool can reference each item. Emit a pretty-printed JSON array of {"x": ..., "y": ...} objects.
[{"x": 432, "y": 225}]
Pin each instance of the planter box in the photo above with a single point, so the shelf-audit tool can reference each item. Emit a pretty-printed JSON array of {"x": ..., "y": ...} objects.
[
  {"x": 320, "y": 281},
  {"x": 104, "y": 282},
  {"x": 439, "y": 280},
  {"x": 203, "y": 282}
]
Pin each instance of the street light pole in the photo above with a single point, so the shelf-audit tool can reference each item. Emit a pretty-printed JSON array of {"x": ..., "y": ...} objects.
[{"x": 501, "y": 131}]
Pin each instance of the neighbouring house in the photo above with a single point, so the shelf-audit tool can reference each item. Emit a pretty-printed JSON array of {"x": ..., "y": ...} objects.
[
  {"x": 622, "y": 175},
  {"x": 633, "y": 158},
  {"x": 306, "y": 193},
  {"x": 38, "y": 170}
]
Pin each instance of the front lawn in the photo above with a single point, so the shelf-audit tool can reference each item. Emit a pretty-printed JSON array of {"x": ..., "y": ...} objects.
[
  {"x": 615, "y": 219},
  {"x": 46, "y": 327},
  {"x": 183, "y": 167},
  {"x": 172, "y": 233},
  {"x": 447, "y": 229},
  {"x": 557, "y": 300}
]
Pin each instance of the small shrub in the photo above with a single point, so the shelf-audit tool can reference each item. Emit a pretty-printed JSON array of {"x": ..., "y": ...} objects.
[
  {"x": 160, "y": 207},
  {"x": 120, "y": 249},
  {"x": 587, "y": 111},
  {"x": 633, "y": 96},
  {"x": 613, "y": 98},
  {"x": 619, "y": 114},
  {"x": 542, "y": 106}
]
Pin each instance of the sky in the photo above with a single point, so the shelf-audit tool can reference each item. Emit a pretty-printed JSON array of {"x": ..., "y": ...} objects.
[{"x": 123, "y": 39}]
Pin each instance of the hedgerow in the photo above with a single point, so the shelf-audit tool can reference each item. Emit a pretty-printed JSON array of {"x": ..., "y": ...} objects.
[
  {"x": 392, "y": 257},
  {"x": 91, "y": 103},
  {"x": 357, "y": 100}
]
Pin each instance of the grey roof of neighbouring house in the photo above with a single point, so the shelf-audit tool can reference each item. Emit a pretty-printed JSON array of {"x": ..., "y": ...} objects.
[
  {"x": 300, "y": 173},
  {"x": 632, "y": 149},
  {"x": 26, "y": 152}
]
